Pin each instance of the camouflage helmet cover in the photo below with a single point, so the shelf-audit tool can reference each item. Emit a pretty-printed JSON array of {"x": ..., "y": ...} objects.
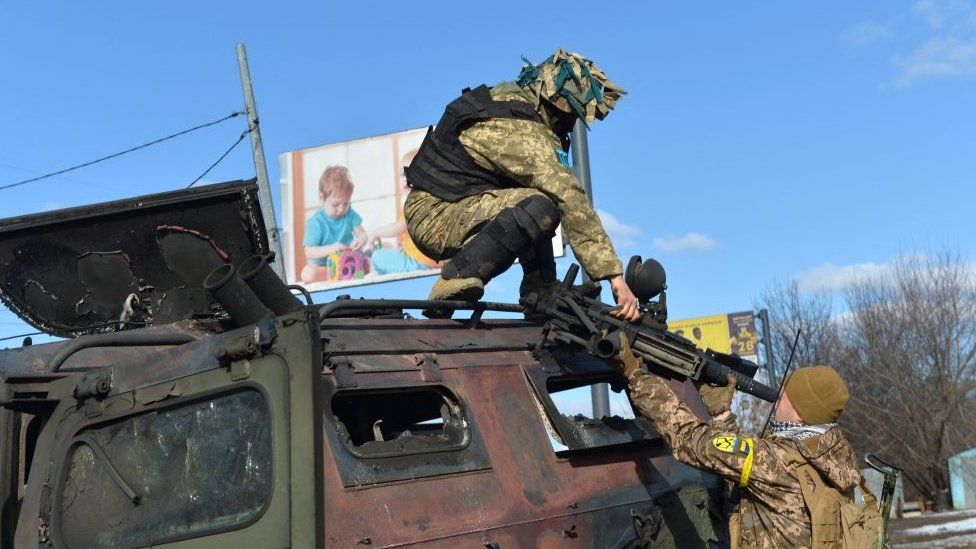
[{"x": 590, "y": 94}]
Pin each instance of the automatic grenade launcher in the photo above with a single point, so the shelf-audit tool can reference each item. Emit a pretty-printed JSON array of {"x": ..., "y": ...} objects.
[{"x": 576, "y": 319}]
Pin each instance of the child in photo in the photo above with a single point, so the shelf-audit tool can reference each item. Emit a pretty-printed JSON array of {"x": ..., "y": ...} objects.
[{"x": 333, "y": 229}]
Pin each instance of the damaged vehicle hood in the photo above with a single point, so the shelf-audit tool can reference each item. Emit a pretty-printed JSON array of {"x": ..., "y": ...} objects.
[{"x": 127, "y": 263}]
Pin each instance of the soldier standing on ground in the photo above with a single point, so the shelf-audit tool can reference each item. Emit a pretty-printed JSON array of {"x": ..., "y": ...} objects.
[
  {"x": 492, "y": 182},
  {"x": 805, "y": 447}
]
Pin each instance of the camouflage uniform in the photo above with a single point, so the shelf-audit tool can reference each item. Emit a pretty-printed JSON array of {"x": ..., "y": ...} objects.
[
  {"x": 525, "y": 151},
  {"x": 772, "y": 512}
]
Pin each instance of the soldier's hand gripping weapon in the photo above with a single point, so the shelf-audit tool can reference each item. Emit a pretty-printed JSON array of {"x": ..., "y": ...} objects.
[{"x": 577, "y": 319}]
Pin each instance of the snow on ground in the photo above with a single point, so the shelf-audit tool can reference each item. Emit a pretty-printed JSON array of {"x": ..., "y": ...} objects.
[
  {"x": 958, "y": 531},
  {"x": 964, "y": 525},
  {"x": 968, "y": 540}
]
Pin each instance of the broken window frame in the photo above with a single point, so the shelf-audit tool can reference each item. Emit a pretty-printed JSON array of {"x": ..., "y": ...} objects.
[
  {"x": 78, "y": 438},
  {"x": 359, "y": 469},
  {"x": 447, "y": 397},
  {"x": 615, "y": 431}
]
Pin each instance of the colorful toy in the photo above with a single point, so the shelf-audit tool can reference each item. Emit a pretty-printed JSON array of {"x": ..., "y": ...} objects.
[{"x": 347, "y": 265}]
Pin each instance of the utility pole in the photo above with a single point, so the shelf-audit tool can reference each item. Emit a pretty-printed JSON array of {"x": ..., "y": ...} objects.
[
  {"x": 260, "y": 168},
  {"x": 600, "y": 392},
  {"x": 767, "y": 341}
]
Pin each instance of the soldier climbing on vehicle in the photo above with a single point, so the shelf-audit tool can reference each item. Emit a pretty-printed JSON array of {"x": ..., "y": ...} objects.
[{"x": 492, "y": 182}]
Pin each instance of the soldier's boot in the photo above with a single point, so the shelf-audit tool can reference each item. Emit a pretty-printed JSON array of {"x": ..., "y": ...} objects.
[
  {"x": 494, "y": 248},
  {"x": 455, "y": 289},
  {"x": 538, "y": 275}
]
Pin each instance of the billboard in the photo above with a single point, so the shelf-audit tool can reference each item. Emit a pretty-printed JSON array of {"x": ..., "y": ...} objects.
[
  {"x": 342, "y": 213},
  {"x": 732, "y": 333}
]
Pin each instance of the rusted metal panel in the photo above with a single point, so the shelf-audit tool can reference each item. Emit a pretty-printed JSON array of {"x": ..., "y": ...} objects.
[
  {"x": 398, "y": 336},
  {"x": 510, "y": 490},
  {"x": 529, "y": 497},
  {"x": 35, "y": 358}
]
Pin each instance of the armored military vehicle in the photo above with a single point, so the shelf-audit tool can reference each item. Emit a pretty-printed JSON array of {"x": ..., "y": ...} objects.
[{"x": 197, "y": 403}]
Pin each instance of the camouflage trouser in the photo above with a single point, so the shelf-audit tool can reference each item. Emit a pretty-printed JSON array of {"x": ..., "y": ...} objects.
[{"x": 439, "y": 228}]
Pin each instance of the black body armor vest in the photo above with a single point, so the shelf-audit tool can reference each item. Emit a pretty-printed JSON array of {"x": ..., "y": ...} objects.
[{"x": 443, "y": 167}]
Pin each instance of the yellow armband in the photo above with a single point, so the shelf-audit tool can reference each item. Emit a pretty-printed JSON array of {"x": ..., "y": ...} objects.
[{"x": 749, "y": 448}]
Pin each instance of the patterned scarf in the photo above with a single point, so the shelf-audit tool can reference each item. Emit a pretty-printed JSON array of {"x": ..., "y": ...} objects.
[{"x": 798, "y": 431}]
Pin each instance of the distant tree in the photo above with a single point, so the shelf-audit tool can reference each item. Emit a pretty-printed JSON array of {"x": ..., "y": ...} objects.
[{"x": 912, "y": 366}]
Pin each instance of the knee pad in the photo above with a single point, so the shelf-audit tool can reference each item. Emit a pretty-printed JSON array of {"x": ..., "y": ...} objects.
[
  {"x": 521, "y": 226},
  {"x": 513, "y": 231},
  {"x": 538, "y": 216}
]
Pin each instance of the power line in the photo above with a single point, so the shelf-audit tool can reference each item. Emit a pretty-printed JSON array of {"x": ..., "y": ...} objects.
[
  {"x": 21, "y": 335},
  {"x": 116, "y": 323},
  {"x": 133, "y": 149},
  {"x": 223, "y": 156},
  {"x": 64, "y": 178}
]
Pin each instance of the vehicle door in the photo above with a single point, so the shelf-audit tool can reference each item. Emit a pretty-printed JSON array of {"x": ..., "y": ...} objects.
[{"x": 197, "y": 445}]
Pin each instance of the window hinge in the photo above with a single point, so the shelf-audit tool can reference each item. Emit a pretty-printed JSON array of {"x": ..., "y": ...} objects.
[
  {"x": 92, "y": 389},
  {"x": 95, "y": 384}
]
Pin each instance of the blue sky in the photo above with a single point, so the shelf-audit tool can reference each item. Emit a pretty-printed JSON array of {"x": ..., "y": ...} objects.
[{"x": 759, "y": 142}]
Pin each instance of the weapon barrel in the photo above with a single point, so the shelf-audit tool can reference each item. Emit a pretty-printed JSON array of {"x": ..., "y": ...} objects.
[
  {"x": 716, "y": 373},
  {"x": 608, "y": 347}
]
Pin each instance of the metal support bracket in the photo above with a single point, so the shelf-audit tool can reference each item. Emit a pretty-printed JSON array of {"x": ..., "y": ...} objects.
[
  {"x": 430, "y": 370},
  {"x": 95, "y": 384},
  {"x": 238, "y": 349},
  {"x": 28, "y": 393},
  {"x": 240, "y": 370},
  {"x": 343, "y": 373},
  {"x": 476, "y": 318},
  {"x": 548, "y": 362},
  {"x": 92, "y": 390}
]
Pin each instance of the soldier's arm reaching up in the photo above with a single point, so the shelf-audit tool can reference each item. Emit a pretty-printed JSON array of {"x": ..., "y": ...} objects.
[{"x": 710, "y": 446}]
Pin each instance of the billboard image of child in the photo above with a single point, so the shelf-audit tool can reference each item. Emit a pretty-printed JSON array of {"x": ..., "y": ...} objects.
[
  {"x": 343, "y": 213},
  {"x": 335, "y": 232}
]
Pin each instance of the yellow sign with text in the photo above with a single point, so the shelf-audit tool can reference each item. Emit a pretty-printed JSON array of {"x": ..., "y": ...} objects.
[{"x": 733, "y": 333}]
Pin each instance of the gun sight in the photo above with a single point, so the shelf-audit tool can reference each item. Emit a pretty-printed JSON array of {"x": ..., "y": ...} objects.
[{"x": 646, "y": 278}]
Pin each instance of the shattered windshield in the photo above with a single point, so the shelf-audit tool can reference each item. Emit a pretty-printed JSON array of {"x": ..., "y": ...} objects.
[{"x": 168, "y": 474}]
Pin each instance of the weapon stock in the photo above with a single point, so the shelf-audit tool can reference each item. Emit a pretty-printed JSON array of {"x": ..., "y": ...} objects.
[{"x": 580, "y": 320}]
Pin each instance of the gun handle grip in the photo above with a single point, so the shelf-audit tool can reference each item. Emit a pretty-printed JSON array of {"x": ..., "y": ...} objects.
[{"x": 571, "y": 275}]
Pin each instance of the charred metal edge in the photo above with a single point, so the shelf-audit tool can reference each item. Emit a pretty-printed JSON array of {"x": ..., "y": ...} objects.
[
  {"x": 477, "y": 306},
  {"x": 137, "y": 203}
]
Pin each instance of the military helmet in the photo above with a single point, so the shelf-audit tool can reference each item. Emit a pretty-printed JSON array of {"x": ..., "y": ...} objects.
[{"x": 590, "y": 94}]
